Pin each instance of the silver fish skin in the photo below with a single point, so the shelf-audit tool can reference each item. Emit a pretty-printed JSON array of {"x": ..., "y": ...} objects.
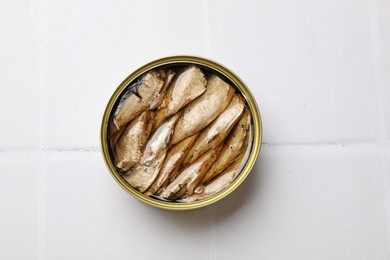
[
  {"x": 226, "y": 177},
  {"x": 167, "y": 76},
  {"x": 203, "y": 110},
  {"x": 171, "y": 164},
  {"x": 232, "y": 148},
  {"x": 188, "y": 85},
  {"x": 217, "y": 185},
  {"x": 142, "y": 175},
  {"x": 189, "y": 178},
  {"x": 133, "y": 104},
  {"x": 214, "y": 134},
  {"x": 130, "y": 145}
]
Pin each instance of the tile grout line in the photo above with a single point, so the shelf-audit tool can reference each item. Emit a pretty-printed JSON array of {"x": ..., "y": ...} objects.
[
  {"x": 47, "y": 151},
  {"x": 212, "y": 232},
  {"x": 377, "y": 63},
  {"x": 328, "y": 144},
  {"x": 386, "y": 180},
  {"x": 206, "y": 27},
  {"x": 42, "y": 16}
]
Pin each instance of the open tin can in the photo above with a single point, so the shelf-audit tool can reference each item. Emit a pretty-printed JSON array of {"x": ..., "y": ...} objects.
[{"x": 204, "y": 151}]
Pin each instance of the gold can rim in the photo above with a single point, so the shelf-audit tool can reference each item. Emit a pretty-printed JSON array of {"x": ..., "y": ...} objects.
[{"x": 238, "y": 83}]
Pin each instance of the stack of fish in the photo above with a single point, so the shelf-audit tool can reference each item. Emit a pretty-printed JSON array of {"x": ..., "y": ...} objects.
[{"x": 179, "y": 136}]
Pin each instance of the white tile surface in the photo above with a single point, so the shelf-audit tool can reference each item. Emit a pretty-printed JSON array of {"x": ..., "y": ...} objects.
[
  {"x": 19, "y": 208},
  {"x": 308, "y": 63},
  {"x": 19, "y": 77},
  {"x": 90, "y": 217},
  {"x": 308, "y": 203},
  {"x": 93, "y": 46}
]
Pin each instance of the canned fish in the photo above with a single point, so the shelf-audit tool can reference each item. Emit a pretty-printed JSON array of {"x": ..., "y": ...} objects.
[{"x": 181, "y": 132}]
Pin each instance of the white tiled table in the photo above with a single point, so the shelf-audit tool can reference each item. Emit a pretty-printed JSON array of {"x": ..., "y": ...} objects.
[{"x": 319, "y": 70}]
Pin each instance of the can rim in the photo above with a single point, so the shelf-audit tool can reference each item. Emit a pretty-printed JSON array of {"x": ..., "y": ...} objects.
[{"x": 257, "y": 131}]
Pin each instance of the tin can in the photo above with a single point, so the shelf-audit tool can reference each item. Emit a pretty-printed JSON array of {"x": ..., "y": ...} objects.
[{"x": 212, "y": 67}]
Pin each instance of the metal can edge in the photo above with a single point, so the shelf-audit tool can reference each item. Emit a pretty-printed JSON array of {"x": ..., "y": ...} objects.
[{"x": 257, "y": 133}]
